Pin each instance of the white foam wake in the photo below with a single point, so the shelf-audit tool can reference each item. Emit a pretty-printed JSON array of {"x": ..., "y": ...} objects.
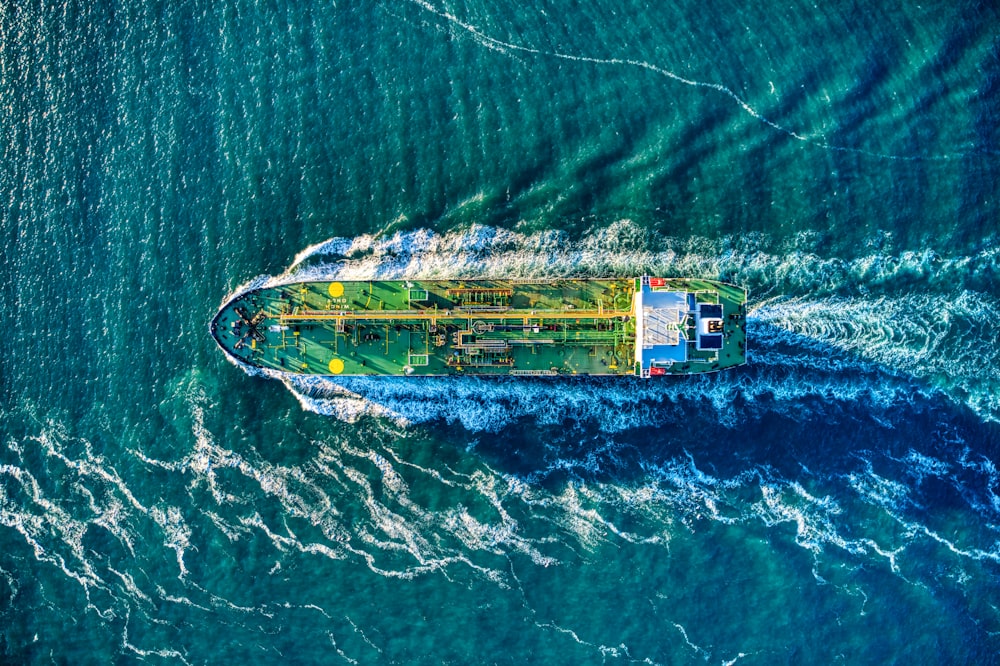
[
  {"x": 610, "y": 405},
  {"x": 949, "y": 341},
  {"x": 624, "y": 248}
]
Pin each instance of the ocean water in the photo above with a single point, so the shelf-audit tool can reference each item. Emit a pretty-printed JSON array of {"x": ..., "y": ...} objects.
[{"x": 837, "y": 500}]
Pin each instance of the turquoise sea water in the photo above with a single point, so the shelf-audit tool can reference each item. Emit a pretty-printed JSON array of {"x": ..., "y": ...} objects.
[{"x": 835, "y": 501}]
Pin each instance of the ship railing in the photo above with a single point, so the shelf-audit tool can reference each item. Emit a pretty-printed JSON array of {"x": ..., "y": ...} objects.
[{"x": 458, "y": 312}]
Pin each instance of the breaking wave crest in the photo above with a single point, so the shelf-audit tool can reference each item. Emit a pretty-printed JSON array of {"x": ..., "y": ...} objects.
[{"x": 878, "y": 328}]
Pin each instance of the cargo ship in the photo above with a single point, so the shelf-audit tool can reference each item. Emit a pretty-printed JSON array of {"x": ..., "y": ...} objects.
[{"x": 644, "y": 327}]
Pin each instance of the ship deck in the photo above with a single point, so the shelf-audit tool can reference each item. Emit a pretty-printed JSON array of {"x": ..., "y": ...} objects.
[{"x": 483, "y": 327}]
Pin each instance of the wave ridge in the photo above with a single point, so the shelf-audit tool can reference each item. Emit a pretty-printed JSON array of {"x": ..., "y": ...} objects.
[{"x": 494, "y": 44}]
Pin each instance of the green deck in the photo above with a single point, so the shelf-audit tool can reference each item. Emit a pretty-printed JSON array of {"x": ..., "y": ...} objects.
[{"x": 486, "y": 327}]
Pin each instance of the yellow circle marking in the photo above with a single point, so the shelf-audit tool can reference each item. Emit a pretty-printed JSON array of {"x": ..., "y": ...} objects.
[
  {"x": 336, "y": 289},
  {"x": 336, "y": 366}
]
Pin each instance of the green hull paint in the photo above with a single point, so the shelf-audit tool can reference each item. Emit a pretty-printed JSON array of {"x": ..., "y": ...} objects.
[{"x": 640, "y": 326}]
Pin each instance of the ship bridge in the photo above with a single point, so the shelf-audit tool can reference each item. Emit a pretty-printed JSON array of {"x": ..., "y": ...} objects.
[{"x": 679, "y": 326}]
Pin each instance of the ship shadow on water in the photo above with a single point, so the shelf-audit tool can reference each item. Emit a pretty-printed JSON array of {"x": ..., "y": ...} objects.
[{"x": 812, "y": 435}]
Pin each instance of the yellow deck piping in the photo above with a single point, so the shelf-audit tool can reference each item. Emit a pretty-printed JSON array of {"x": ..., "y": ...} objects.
[{"x": 454, "y": 314}]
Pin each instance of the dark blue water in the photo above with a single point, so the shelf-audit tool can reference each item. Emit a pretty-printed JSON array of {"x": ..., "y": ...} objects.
[{"x": 836, "y": 500}]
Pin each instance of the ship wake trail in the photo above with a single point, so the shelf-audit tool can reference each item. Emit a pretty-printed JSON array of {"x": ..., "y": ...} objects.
[
  {"x": 398, "y": 502},
  {"x": 354, "y": 503},
  {"x": 950, "y": 343},
  {"x": 492, "y": 43}
]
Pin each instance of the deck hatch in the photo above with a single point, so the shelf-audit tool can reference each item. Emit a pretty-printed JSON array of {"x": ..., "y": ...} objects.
[
  {"x": 710, "y": 311},
  {"x": 709, "y": 342}
]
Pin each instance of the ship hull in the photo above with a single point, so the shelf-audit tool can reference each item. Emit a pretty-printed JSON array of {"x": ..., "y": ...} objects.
[{"x": 636, "y": 326}]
